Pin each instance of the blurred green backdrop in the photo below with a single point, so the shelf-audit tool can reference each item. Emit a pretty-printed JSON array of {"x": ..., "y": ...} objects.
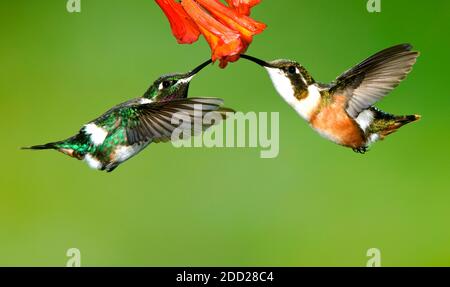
[{"x": 316, "y": 204}]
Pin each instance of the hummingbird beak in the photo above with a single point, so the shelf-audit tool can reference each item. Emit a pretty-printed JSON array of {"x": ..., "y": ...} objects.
[
  {"x": 198, "y": 69},
  {"x": 188, "y": 76},
  {"x": 186, "y": 80},
  {"x": 257, "y": 61}
]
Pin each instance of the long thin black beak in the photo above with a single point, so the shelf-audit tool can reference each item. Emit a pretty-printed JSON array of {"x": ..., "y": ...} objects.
[
  {"x": 199, "y": 68},
  {"x": 257, "y": 61}
]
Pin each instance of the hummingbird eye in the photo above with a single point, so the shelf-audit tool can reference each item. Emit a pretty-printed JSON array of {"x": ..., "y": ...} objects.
[
  {"x": 292, "y": 70},
  {"x": 166, "y": 84}
]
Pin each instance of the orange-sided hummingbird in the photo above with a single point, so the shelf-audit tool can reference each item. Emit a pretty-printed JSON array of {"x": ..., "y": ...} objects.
[{"x": 343, "y": 111}]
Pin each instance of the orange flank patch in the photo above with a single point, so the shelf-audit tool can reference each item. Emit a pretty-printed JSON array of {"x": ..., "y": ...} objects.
[
  {"x": 335, "y": 124},
  {"x": 66, "y": 151},
  {"x": 70, "y": 153}
]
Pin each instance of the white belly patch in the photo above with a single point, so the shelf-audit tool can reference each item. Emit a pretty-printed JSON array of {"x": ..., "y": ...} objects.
[
  {"x": 123, "y": 153},
  {"x": 365, "y": 119},
  {"x": 93, "y": 162}
]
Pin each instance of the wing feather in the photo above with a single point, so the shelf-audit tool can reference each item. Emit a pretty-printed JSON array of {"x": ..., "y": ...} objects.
[
  {"x": 372, "y": 79},
  {"x": 154, "y": 121}
]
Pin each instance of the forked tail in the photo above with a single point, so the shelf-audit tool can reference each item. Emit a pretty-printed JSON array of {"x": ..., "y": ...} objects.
[
  {"x": 76, "y": 146},
  {"x": 42, "y": 147}
]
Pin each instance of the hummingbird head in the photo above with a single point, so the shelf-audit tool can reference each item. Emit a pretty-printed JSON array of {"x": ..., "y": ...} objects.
[
  {"x": 289, "y": 77},
  {"x": 173, "y": 86}
]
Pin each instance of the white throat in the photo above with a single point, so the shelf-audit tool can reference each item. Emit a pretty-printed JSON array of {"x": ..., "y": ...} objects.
[{"x": 304, "y": 107}]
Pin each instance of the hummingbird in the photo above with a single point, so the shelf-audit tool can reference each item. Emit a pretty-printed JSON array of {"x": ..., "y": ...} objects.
[
  {"x": 128, "y": 128},
  {"x": 343, "y": 110}
]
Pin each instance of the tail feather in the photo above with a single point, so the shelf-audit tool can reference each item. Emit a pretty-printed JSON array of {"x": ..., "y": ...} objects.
[
  {"x": 403, "y": 120},
  {"x": 75, "y": 146},
  {"x": 399, "y": 121}
]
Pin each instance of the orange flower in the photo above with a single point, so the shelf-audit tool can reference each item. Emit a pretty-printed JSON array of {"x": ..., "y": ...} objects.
[
  {"x": 243, "y": 6},
  {"x": 228, "y": 30},
  {"x": 183, "y": 28},
  {"x": 246, "y": 26}
]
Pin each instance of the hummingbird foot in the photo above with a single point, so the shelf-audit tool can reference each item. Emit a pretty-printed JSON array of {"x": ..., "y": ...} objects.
[{"x": 361, "y": 150}]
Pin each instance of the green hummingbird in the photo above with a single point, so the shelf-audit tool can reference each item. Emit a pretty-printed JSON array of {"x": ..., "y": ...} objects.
[
  {"x": 343, "y": 111},
  {"x": 126, "y": 129}
]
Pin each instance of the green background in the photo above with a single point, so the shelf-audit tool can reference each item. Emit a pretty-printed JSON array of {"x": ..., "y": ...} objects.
[{"x": 315, "y": 204}]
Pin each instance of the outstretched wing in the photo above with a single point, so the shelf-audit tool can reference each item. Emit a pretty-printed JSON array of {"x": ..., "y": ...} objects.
[
  {"x": 157, "y": 121},
  {"x": 374, "y": 78}
]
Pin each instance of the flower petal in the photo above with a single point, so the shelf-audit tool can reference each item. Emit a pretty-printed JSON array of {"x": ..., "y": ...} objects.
[
  {"x": 246, "y": 26},
  {"x": 225, "y": 43},
  {"x": 183, "y": 28},
  {"x": 243, "y": 6}
]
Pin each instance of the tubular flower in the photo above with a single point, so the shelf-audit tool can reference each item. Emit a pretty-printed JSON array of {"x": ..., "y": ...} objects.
[
  {"x": 183, "y": 28},
  {"x": 243, "y": 6},
  {"x": 227, "y": 29}
]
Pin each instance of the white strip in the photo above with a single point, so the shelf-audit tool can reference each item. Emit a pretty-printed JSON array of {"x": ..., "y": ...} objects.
[
  {"x": 97, "y": 134},
  {"x": 92, "y": 162},
  {"x": 301, "y": 76},
  {"x": 373, "y": 138},
  {"x": 122, "y": 153},
  {"x": 144, "y": 101},
  {"x": 365, "y": 119}
]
